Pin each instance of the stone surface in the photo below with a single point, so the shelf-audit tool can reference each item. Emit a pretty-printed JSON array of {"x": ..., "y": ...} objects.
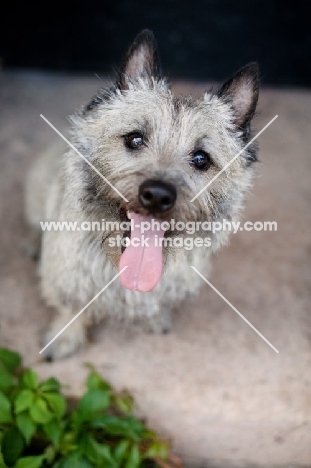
[{"x": 213, "y": 386}]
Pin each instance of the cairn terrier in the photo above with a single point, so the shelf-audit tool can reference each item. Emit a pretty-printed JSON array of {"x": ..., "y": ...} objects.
[{"x": 157, "y": 151}]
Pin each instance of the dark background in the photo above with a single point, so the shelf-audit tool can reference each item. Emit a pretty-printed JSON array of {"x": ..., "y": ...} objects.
[{"x": 203, "y": 39}]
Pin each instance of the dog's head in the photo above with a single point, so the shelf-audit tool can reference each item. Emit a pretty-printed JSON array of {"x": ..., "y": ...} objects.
[{"x": 158, "y": 151}]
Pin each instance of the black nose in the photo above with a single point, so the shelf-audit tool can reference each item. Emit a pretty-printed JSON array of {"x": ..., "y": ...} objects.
[{"x": 156, "y": 196}]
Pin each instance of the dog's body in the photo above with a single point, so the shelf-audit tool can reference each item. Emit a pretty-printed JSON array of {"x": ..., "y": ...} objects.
[{"x": 158, "y": 151}]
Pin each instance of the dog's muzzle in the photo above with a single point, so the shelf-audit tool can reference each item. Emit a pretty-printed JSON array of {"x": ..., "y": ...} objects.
[{"x": 156, "y": 196}]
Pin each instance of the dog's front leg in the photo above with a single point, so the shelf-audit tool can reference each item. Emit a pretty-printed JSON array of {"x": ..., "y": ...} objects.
[
  {"x": 160, "y": 323},
  {"x": 71, "y": 338}
]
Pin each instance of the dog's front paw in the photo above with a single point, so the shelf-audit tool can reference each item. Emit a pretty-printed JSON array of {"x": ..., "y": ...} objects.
[
  {"x": 67, "y": 342},
  {"x": 160, "y": 323}
]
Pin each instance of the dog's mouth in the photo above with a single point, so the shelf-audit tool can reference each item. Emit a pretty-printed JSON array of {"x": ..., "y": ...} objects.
[{"x": 143, "y": 254}]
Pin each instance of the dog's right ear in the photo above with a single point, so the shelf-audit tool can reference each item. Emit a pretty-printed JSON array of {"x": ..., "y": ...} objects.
[{"x": 141, "y": 60}]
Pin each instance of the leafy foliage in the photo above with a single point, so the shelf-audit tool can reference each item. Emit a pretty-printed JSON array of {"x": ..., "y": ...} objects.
[{"x": 38, "y": 430}]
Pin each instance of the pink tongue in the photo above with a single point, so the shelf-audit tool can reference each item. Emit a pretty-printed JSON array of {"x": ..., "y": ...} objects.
[{"x": 144, "y": 262}]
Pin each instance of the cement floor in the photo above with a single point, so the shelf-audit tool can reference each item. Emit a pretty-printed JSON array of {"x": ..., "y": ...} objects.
[{"x": 213, "y": 386}]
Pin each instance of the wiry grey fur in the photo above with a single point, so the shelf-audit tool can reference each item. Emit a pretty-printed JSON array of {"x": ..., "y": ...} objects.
[{"x": 76, "y": 265}]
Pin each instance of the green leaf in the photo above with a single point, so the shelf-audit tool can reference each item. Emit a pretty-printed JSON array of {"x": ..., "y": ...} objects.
[
  {"x": 124, "y": 402},
  {"x": 134, "y": 458},
  {"x": 5, "y": 409},
  {"x": 56, "y": 403},
  {"x": 26, "y": 425},
  {"x": 68, "y": 442},
  {"x": 95, "y": 380},
  {"x": 23, "y": 400},
  {"x": 6, "y": 380},
  {"x": 53, "y": 430},
  {"x": 39, "y": 411},
  {"x": 10, "y": 359},
  {"x": 30, "y": 379},
  {"x": 12, "y": 445},
  {"x": 75, "y": 460},
  {"x": 95, "y": 452},
  {"x": 76, "y": 419},
  {"x": 157, "y": 449},
  {"x": 2, "y": 464},
  {"x": 30, "y": 462},
  {"x": 92, "y": 402},
  {"x": 50, "y": 454},
  {"x": 120, "y": 450},
  {"x": 50, "y": 385},
  {"x": 127, "y": 427}
]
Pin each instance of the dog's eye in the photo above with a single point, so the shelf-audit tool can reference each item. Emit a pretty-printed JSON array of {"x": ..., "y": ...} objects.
[
  {"x": 134, "y": 140},
  {"x": 201, "y": 160}
]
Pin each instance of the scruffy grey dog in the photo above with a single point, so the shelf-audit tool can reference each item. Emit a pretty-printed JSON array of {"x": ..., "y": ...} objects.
[{"x": 158, "y": 151}]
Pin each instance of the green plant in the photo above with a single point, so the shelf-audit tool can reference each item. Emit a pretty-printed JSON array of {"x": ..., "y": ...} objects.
[{"x": 40, "y": 428}]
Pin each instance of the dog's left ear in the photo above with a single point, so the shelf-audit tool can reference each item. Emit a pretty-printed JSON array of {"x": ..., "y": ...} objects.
[
  {"x": 241, "y": 91},
  {"x": 141, "y": 60}
]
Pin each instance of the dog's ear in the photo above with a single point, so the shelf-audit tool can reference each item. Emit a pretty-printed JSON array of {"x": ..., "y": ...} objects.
[
  {"x": 241, "y": 92},
  {"x": 141, "y": 59}
]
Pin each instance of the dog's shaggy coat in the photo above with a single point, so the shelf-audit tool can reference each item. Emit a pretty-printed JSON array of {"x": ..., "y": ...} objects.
[{"x": 183, "y": 143}]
